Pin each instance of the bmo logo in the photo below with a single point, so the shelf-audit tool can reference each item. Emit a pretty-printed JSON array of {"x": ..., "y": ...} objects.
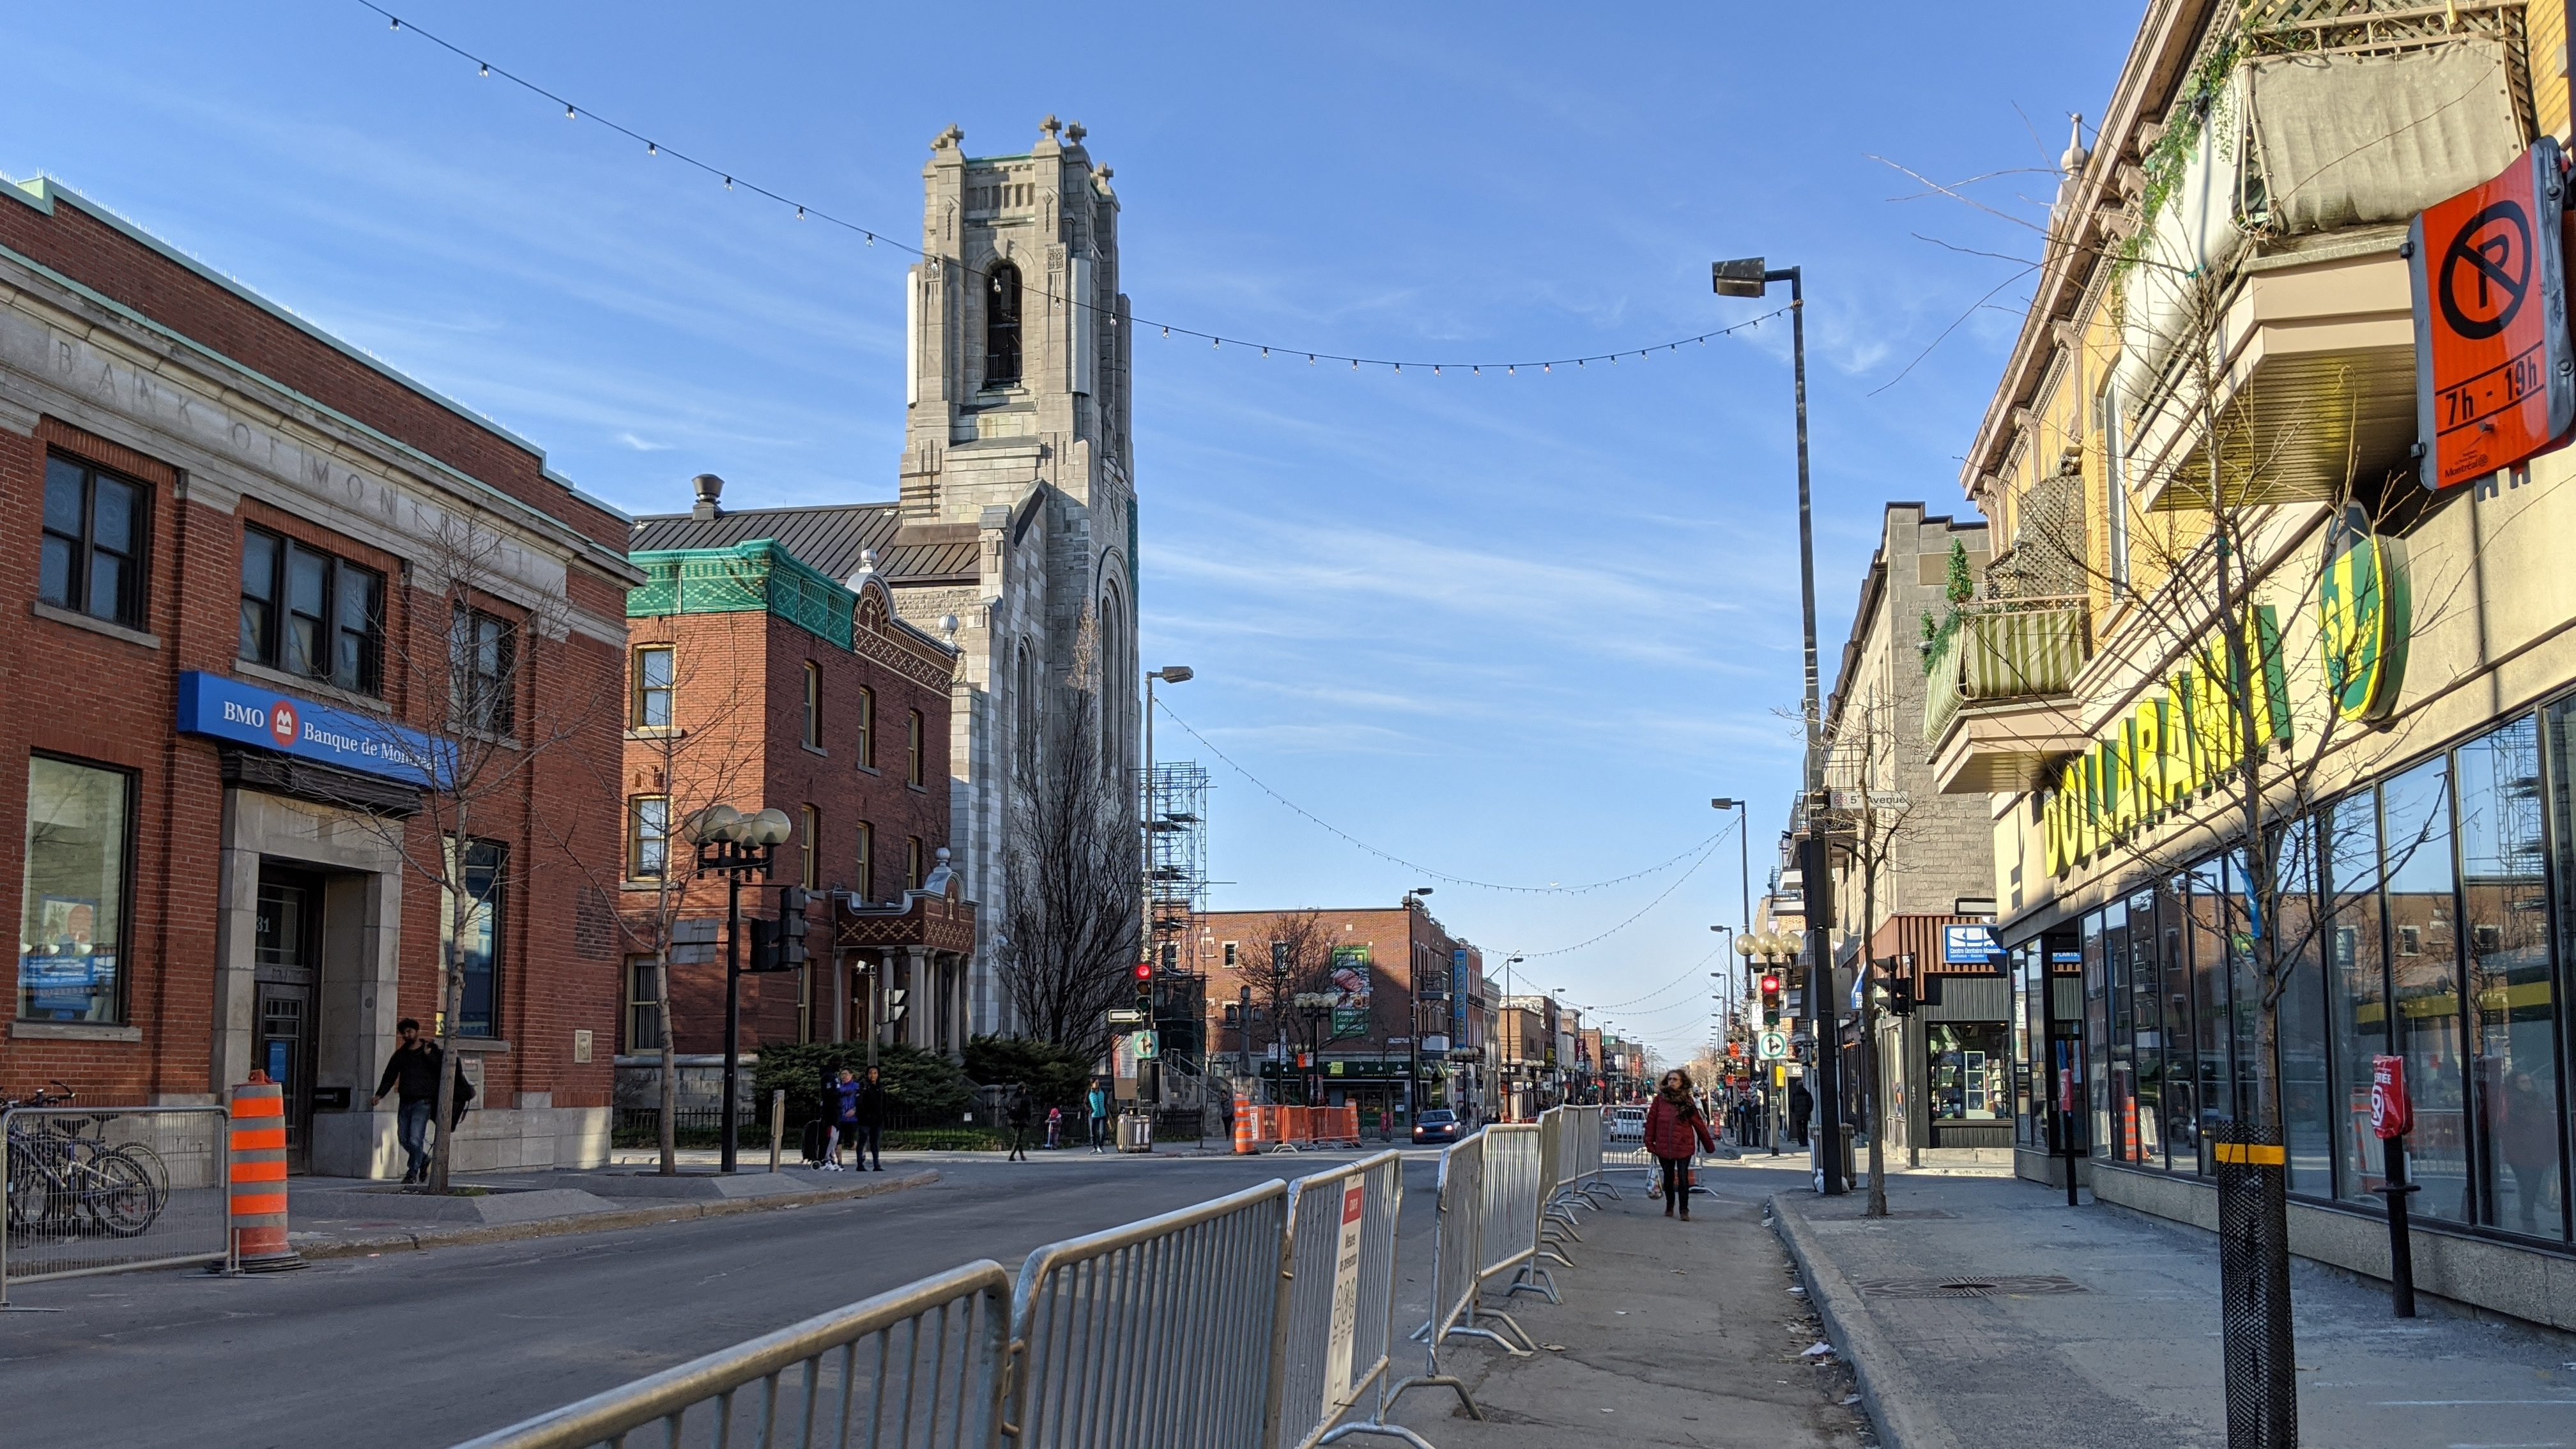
[{"x": 282, "y": 723}]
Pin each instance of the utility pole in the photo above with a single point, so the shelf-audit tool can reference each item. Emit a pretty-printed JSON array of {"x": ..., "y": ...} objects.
[{"x": 1749, "y": 277}]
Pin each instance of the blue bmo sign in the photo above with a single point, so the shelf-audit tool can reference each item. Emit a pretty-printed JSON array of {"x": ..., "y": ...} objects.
[{"x": 248, "y": 714}]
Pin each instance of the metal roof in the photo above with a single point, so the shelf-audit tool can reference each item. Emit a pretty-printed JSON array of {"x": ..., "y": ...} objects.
[{"x": 827, "y": 538}]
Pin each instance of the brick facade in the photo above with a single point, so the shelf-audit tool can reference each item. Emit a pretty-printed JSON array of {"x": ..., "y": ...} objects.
[{"x": 117, "y": 353}]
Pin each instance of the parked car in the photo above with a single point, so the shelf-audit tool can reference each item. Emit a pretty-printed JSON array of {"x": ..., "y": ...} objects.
[
  {"x": 1627, "y": 1124},
  {"x": 1438, "y": 1124}
]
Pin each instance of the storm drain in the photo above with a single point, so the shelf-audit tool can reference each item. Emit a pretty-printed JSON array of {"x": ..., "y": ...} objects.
[{"x": 2001, "y": 1285}]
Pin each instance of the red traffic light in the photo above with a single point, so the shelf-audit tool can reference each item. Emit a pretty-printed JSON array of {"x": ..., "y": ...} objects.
[
  {"x": 1770, "y": 985},
  {"x": 1144, "y": 970}
]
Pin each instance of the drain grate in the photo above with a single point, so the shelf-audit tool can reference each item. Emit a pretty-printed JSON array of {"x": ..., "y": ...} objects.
[{"x": 1999, "y": 1285}]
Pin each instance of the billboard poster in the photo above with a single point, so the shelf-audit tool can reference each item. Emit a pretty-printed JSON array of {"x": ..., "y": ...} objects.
[
  {"x": 1351, "y": 991},
  {"x": 1458, "y": 994}
]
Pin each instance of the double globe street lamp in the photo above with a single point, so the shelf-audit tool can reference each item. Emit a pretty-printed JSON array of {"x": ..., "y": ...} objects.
[{"x": 735, "y": 845}]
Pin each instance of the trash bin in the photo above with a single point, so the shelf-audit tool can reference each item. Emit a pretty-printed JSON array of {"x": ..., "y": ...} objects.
[{"x": 1136, "y": 1132}]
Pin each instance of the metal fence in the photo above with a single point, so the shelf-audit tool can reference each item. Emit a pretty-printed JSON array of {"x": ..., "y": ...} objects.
[
  {"x": 916, "y": 1368},
  {"x": 1157, "y": 1333},
  {"x": 1457, "y": 1250},
  {"x": 106, "y": 1189},
  {"x": 1512, "y": 1198},
  {"x": 1338, "y": 1329}
]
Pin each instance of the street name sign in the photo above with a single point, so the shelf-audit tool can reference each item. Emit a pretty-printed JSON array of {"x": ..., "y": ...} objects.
[{"x": 2495, "y": 375}]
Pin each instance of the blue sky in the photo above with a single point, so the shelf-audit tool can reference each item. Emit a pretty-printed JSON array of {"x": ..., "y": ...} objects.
[{"x": 1513, "y": 629}]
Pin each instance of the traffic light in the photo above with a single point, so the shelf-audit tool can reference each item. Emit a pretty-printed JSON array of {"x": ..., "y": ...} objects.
[
  {"x": 779, "y": 945},
  {"x": 894, "y": 1004},
  {"x": 1770, "y": 999},
  {"x": 1900, "y": 996},
  {"x": 1145, "y": 986}
]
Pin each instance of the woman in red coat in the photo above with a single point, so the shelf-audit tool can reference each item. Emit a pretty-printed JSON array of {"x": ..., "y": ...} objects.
[{"x": 1675, "y": 1132}]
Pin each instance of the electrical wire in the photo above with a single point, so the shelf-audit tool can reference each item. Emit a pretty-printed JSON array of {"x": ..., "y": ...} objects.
[
  {"x": 808, "y": 211},
  {"x": 1310, "y": 817},
  {"x": 1707, "y": 848}
]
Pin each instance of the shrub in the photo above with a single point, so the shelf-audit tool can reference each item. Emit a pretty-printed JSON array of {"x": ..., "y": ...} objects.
[
  {"x": 917, "y": 1080},
  {"x": 1055, "y": 1076}
]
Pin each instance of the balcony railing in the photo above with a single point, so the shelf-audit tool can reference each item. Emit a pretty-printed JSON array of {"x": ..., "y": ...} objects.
[{"x": 2014, "y": 650}]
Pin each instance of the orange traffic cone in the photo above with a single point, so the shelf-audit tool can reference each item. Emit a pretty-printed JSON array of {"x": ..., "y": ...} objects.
[
  {"x": 1243, "y": 1125},
  {"x": 259, "y": 1177}
]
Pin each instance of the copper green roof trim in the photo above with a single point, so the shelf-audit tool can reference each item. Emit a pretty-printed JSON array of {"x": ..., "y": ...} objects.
[{"x": 746, "y": 578}]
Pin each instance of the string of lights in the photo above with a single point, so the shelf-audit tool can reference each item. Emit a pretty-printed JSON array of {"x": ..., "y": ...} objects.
[
  {"x": 1707, "y": 849},
  {"x": 1311, "y": 818},
  {"x": 1675, "y": 984},
  {"x": 808, "y": 211}
]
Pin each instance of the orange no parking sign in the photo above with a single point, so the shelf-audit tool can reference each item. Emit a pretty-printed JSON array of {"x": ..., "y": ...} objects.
[{"x": 2495, "y": 379}]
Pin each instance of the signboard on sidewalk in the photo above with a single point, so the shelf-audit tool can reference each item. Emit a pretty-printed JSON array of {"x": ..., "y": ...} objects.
[
  {"x": 1344, "y": 1329},
  {"x": 2392, "y": 1114},
  {"x": 2495, "y": 375}
]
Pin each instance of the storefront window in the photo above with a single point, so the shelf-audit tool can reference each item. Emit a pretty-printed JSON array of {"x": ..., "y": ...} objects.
[
  {"x": 71, "y": 922},
  {"x": 2124, "y": 1020},
  {"x": 1971, "y": 1080},
  {"x": 2146, "y": 1027},
  {"x": 2030, "y": 988},
  {"x": 2505, "y": 901},
  {"x": 2097, "y": 1036},
  {"x": 2307, "y": 1104},
  {"x": 2425, "y": 956},
  {"x": 2182, "y": 1072},
  {"x": 2356, "y": 983},
  {"x": 2206, "y": 942},
  {"x": 478, "y": 954}
]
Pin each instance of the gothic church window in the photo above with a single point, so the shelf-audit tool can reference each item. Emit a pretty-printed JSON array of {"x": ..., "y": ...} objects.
[{"x": 1002, "y": 326}]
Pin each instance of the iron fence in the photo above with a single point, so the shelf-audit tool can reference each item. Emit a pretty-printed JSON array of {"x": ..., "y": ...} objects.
[
  {"x": 1338, "y": 1328},
  {"x": 1513, "y": 1196},
  {"x": 107, "y": 1189},
  {"x": 919, "y": 1367}
]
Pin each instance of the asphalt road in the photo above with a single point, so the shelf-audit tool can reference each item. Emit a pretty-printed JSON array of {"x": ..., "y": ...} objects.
[{"x": 422, "y": 1350}]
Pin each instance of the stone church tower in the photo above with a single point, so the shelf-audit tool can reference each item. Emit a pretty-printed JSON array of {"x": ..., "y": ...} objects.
[{"x": 1017, "y": 448}]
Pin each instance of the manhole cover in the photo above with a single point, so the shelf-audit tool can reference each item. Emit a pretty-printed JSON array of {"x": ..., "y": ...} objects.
[{"x": 1998, "y": 1285}]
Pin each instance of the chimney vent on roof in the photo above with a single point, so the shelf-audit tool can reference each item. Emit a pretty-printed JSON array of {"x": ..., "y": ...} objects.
[{"x": 710, "y": 488}]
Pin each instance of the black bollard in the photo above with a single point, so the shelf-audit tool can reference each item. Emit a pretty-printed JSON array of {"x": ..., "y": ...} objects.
[{"x": 2401, "y": 1246}]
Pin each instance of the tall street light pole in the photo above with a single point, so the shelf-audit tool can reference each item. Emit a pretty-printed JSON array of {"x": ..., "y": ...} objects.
[
  {"x": 735, "y": 845},
  {"x": 1750, "y": 277},
  {"x": 1151, "y": 1076}
]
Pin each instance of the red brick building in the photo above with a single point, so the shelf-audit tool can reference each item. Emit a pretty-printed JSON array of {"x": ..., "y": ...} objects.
[
  {"x": 757, "y": 679},
  {"x": 228, "y": 585},
  {"x": 1391, "y": 1041}
]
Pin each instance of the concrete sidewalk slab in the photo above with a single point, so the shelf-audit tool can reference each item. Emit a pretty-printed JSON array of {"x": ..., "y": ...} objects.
[
  {"x": 1671, "y": 1333},
  {"x": 2099, "y": 1329}
]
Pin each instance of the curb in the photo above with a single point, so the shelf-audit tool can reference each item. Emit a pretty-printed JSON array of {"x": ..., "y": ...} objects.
[
  {"x": 1894, "y": 1408},
  {"x": 601, "y": 1222}
]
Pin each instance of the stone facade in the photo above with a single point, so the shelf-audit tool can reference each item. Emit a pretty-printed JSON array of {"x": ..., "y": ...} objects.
[{"x": 1017, "y": 439}]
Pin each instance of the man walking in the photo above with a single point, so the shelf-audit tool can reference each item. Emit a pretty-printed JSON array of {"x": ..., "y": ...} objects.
[
  {"x": 1018, "y": 1112},
  {"x": 1098, "y": 1102},
  {"x": 412, "y": 1074},
  {"x": 870, "y": 1115}
]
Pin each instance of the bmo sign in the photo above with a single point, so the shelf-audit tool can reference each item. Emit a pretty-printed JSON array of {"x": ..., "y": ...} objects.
[{"x": 227, "y": 709}]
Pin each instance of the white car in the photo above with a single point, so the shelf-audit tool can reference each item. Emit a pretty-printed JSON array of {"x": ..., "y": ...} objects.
[{"x": 1627, "y": 1124}]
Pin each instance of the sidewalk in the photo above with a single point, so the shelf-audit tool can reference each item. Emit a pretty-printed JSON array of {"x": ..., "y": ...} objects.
[
  {"x": 1671, "y": 1333},
  {"x": 2100, "y": 1330},
  {"x": 336, "y": 1217}
]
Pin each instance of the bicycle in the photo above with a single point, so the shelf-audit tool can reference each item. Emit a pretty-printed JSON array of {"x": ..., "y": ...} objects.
[{"x": 63, "y": 1182}]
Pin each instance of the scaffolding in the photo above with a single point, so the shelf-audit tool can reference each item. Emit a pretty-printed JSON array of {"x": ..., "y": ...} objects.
[{"x": 1176, "y": 852}]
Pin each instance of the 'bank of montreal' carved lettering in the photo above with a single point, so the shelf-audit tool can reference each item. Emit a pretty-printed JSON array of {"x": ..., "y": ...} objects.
[{"x": 2168, "y": 749}]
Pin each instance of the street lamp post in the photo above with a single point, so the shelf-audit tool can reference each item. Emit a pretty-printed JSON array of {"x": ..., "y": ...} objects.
[
  {"x": 1749, "y": 277},
  {"x": 1149, "y": 1078},
  {"x": 736, "y": 845}
]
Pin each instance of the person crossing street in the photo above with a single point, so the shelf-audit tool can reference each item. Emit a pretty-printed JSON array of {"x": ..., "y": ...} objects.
[
  {"x": 1098, "y": 1102},
  {"x": 1019, "y": 1113}
]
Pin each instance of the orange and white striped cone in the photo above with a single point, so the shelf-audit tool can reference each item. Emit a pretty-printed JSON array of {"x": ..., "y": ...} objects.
[
  {"x": 258, "y": 1187},
  {"x": 1243, "y": 1125}
]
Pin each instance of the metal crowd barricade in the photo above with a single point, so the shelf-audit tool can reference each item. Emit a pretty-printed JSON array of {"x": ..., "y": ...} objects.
[
  {"x": 111, "y": 1189},
  {"x": 1513, "y": 1197},
  {"x": 919, "y": 1367},
  {"x": 1555, "y": 1156},
  {"x": 1457, "y": 1251},
  {"x": 1338, "y": 1327},
  {"x": 1588, "y": 1177},
  {"x": 1161, "y": 1332}
]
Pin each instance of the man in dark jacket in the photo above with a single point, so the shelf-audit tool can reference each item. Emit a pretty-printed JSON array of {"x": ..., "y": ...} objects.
[
  {"x": 870, "y": 1113},
  {"x": 412, "y": 1073},
  {"x": 1802, "y": 1104},
  {"x": 1019, "y": 1113}
]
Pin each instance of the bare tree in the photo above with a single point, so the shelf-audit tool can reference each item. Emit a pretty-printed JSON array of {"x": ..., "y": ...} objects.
[
  {"x": 480, "y": 686},
  {"x": 1071, "y": 875},
  {"x": 1868, "y": 829},
  {"x": 1299, "y": 962}
]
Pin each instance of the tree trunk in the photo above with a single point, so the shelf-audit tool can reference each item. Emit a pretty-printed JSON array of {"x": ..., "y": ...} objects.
[
  {"x": 452, "y": 994},
  {"x": 667, "y": 1130}
]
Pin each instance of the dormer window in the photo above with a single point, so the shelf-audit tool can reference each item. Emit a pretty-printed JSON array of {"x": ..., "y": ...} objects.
[{"x": 1002, "y": 326}]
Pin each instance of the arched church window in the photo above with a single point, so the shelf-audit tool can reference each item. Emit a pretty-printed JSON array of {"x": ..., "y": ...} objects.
[{"x": 1002, "y": 326}]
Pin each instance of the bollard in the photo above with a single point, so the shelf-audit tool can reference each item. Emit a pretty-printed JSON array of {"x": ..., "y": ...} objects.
[
  {"x": 1244, "y": 1134},
  {"x": 258, "y": 1188},
  {"x": 777, "y": 1123}
]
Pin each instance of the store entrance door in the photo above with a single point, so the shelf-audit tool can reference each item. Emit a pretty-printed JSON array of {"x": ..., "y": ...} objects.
[{"x": 288, "y": 969}]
